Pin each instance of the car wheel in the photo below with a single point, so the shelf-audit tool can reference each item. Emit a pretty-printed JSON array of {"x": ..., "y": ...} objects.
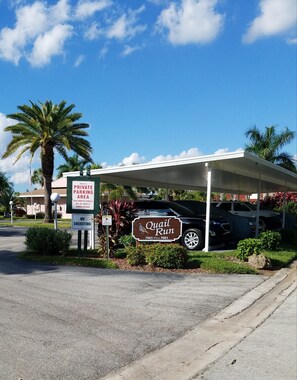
[
  {"x": 263, "y": 225},
  {"x": 192, "y": 239}
]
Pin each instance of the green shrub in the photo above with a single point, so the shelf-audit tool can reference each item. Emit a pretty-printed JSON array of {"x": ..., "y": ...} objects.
[
  {"x": 248, "y": 247},
  {"x": 127, "y": 241},
  {"x": 289, "y": 235},
  {"x": 167, "y": 256},
  {"x": 120, "y": 253},
  {"x": 40, "y": 215},
  {"x": 136, "y": 255},
  {"x": 270, "y": 240},
  {"x": 47, "y": 241}
]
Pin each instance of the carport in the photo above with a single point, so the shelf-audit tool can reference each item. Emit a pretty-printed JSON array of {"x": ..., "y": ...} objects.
[{"x": 235, "y": 172}]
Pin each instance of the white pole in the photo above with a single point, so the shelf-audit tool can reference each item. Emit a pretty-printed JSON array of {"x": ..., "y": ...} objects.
[
  {"x": 56, "y": 216},
  {"x": 284, "y": 208},
  {"x": 208, "y": 199},
  {"x": 11, "y": 216},
  {"x": 258, "y": 205}
]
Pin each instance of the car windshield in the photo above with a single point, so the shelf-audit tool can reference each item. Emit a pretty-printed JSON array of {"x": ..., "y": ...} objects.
[
  {"x": 254, "y": 206},
  {"x": 165, "y": 207}
]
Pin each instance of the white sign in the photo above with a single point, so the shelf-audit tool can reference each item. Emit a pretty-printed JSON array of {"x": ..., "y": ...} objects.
[
  {"x": 106, "y": 220},
  {"x": 83, "y": 195},
  {"x": 82, "y": 221}
]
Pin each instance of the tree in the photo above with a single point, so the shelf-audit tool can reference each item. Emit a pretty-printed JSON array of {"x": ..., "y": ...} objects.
[
  {"x": 6, "y": 191},
  {"x": 72, "y": 164},
  {"x": 268, "y": 144},
  {"x": 50, "y": 127},
  {"x": 4, "y": 183},
  {"x": 37, "y": 177}
]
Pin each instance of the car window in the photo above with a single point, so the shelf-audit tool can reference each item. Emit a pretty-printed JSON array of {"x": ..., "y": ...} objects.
[
  {"x": 240, "y": 207},
  {"x": 225, "y": 206},
  {"x": 155, "y": 211}
]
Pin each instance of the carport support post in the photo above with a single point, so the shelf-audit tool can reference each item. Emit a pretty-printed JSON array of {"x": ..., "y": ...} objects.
[
  {"x": 258, "y": 205},
  {"x": 284, "y": 208},
  {"x": 208, "y": 199}
]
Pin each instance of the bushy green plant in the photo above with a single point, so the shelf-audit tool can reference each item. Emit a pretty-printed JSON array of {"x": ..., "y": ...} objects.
[
  {"x": 122, "y": 215},
  {"x": 127, "y": 241},
  {"x": 120, "y": 253},
  {"x": 248, "y": 247},
  {"x": 270, "y": 240},
  {"x": 46, "y": 241},
  {"x": 167, "y": 256},
  {"x": 40, "y": 215},
  {"x": 136, "y": 255}
]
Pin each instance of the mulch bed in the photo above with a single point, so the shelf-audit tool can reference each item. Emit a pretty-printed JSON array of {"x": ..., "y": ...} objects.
[{"x": 123, "y": 264}]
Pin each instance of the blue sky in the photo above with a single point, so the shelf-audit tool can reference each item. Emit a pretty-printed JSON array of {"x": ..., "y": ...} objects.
[{"x": 155, "y": 79}]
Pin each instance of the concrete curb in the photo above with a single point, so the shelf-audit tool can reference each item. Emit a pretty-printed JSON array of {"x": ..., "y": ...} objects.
[{"x": 184, "y": 358}]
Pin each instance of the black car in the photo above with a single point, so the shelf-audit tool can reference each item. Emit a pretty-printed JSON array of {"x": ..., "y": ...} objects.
[
  {"x": 193, "y": 225},
  {"x": 242, "y": 226}
]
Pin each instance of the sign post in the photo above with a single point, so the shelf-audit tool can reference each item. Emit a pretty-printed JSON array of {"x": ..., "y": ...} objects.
[
  {"x": 82, "y": 202},
  {"x": 107, "y": 221}
]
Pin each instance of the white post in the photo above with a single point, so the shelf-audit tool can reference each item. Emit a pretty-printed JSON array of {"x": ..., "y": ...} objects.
[
  {"x": 284, "y": 208},
  {"x": 11, "y": 216},
  {"x": 55, "y": 197},
  {"x": 258, "y": 205},
  {"x": 208, "y": 199}
]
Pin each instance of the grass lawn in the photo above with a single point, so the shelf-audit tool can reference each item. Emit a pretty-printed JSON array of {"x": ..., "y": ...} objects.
[
  {"x": 211, "y": 262},
  {"x": 23, "y": 222}
]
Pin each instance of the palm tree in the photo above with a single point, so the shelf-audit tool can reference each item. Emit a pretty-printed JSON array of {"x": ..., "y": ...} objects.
[
  {"x": 267, "y": 145},
  {"x": 37, "y": 177},
  {"x": 72, "y": 164},
  {"x": 50, "y": 127},
  {"x": 4, "y": 183}
]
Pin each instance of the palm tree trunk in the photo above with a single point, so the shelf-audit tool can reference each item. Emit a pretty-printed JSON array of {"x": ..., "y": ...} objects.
[
  {"x": 47, "y": 166},
  {"x": 48, "y": 218}
]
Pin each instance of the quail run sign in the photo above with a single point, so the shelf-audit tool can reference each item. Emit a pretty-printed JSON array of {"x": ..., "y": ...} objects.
[{"x": 153, "y": 228}]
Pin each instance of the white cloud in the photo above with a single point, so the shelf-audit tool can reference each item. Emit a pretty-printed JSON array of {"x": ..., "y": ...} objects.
[
  {"x": 292, "y": 41},
  {"x": 49, "y": 44},
  {"x": 129, "y": 50},
  {"x": 33, "y": 22},
  {"x": 103, "y": 52},
  {"x": 191, "y": 22},
  {"x": 126, "y": 25},
  {"x": 21, "y": 178},
  {"x": 192, "y": 152},
  {"x": 276, "y": 17},
  {"x": 93, "y": 32},
  {"x": 87, "y": 8},
  {"x": 79, "y": 60},
  {"x": 133, "y": 159},
  {"x": 18, "y": 172}
]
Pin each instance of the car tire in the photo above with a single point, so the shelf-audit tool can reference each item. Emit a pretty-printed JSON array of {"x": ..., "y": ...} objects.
[
  {"x": 263, "y": 225},
  {"x": 193, "y": 239}
]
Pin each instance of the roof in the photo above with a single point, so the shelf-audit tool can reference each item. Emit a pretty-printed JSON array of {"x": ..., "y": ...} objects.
[{"x": 235, "y": 172}]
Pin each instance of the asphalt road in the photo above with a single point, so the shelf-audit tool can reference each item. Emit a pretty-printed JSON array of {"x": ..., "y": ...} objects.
[{"x": 60, "y": 322}]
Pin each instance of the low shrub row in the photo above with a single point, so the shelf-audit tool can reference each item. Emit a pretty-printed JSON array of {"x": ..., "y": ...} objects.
[
  {"x": 266, "y": 241},
  {"x": 46, "y": 241},
  {"x": 163, "y": 255}
]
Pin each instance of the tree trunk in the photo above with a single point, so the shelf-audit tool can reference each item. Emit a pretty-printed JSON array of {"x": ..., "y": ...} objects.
[
  {"x": 48, "y": 218},
  {"x": 47, "y": 166}
]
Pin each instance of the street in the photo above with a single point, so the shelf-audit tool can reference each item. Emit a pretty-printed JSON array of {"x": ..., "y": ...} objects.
[{"x": 82, "y": 323}]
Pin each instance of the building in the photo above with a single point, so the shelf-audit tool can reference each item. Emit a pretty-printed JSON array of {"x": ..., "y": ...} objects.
[{"x": 35, "y": 198}]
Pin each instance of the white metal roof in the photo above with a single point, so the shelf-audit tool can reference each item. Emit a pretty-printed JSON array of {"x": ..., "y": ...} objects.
[{"x": 234, "y": 172}]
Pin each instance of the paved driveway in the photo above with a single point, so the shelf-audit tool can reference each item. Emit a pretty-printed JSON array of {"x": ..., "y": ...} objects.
[{"x": 79, "y": 323}]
